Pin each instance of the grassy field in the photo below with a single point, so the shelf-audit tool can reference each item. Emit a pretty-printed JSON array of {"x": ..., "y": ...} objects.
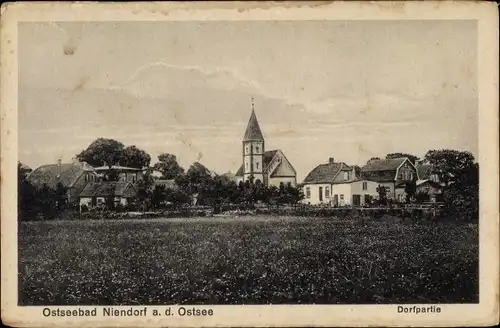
[{"x": 249, "y": 260}]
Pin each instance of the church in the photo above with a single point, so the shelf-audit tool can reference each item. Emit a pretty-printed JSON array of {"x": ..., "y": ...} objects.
[{"x": 270, "y": 167}]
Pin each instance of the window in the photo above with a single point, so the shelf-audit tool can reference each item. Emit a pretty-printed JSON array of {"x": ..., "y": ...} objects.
[
  {"x": 327, "y": 191},
  {"x": 346, "y": 175},
  {"x": 365, "y": 185},
  {"x": 256, "y": 149},
  {"x": 246, "y": 166},
  {"x": 308, "y": 192},
  {"x": 341, "y": 196},
  {"x": 246, "y": 150},
  {"x": 257, "y": 165}
]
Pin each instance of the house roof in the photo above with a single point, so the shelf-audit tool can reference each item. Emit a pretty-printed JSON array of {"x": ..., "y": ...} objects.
[
  {"x": 383, "y": 164},
  {"x": 267, "y": 157},
  {"x": 426, "y": 181},
  {"x": 117, "y": 167},
  {"x": 324, "y": 173},
  {"x": 107, "y": 189},
  {"x": 200, "y": 167},
  {"x": 64, "y": 173},
  {"x": 169, "y": 184},
  {"x": 424, "y": 171},
  {"x": 253, "y": 131}
]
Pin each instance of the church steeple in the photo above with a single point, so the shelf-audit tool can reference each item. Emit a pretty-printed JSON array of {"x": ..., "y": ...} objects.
[
  {"x": 253, "y": 149},
  {"x": 253, "y": 132}
]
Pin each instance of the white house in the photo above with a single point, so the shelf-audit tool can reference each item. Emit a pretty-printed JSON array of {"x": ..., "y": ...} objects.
[
  {"x": 393, "y": 174},
  {"x": 338, "y": 184}
]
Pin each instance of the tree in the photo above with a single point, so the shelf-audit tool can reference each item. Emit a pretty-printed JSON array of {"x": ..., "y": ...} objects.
[
  {"x": 449, "y": 165},
  {"x": 382, "y": 195},
  {"x": 460, "y": 176},
  {"x": 158, "y": 196},
  {"x": 410, "y": 190},
  {"x": 110, "y": 152},
  {"x": 412, "y": 158},
  {"x": 102, "y": 152},
  {"x": 167, "y": 164},
  {"x": 462, "y": 196},
  {"x": 145, "y": 190},
  {"x": 134, "y": 157},
  {"x": 26, "y": 200}
]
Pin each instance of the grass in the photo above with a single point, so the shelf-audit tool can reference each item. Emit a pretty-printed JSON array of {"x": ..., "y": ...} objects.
[{"x": 248, "y": 260}]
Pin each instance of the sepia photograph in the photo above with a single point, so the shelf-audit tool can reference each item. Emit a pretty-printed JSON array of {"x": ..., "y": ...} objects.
[{"x": 191, "y": 163}]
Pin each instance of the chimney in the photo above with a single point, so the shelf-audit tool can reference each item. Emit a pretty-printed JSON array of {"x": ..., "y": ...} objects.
[{"x": 331, "y": 160}]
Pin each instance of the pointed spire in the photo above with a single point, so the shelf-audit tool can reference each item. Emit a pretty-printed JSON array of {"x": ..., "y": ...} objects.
[{"x": 253, "y": 131}]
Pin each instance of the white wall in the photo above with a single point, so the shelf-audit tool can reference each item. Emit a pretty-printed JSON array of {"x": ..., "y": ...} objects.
[
  {"x": 86, "y": 201},
  {"x": 344, "y": 190},
  {"x": 314, "y": 199},
  {"x": 276, "y": 181}
]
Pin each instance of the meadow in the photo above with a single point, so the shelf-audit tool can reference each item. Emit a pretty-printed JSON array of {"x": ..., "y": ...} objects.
[{"x": 246, "y": 260}]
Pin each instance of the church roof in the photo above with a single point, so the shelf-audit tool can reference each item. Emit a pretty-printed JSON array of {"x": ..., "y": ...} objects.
[{"x": 253, "y": 131}]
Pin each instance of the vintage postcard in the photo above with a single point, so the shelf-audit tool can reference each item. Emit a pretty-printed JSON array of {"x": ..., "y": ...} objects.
[{"x": 249, "y": 164}]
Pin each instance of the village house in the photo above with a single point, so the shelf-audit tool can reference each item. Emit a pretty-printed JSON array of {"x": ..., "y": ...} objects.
[
  {"x": 107, "y": 193},
  {"x": 393, "y": 174},
  {"x": 155, "y": 174},
  {"x": 269, "y": 167},
  {"x": 338, "y": 184},
  {"x": 428, "y": 183},
  {"x": 73, "y": 176},
  {"x": 125, "y": 174}
]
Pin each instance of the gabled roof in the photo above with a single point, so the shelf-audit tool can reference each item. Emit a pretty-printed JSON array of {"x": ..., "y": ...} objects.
[
  {"x": 267, "y": 157},
  {"x": 253, "y": 131},
  {"x": 324, "y": 173},
  {"x": 117, "y": 168},
  {"x": 424, "y": 171},
  {"x": 383, "y": 164},
  {"x": 202, "y": 168},
  {"x": 64, "y": 173},
  {"x": 108, "y": 189},
  {"x": 430, "y": 182},
  {"x": 168, "y": 184}
]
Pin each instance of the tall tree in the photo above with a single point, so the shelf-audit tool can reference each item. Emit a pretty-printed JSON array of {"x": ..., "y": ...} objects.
[
  {"x": 134, "y": 157},
  {"x": 167, "y": 164},
  {"x": 411, "y": 157},
  {"x": 102, "y": 152},
  {"x": 449, "y": 165}
]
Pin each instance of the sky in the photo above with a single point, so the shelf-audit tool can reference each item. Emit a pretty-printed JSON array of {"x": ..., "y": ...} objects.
[{"x": 351, "y": 90}]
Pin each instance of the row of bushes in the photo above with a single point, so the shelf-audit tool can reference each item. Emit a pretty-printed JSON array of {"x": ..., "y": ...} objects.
[{"x": 280, "y": 211}]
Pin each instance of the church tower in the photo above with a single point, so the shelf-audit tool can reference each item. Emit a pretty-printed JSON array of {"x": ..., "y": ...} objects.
[{"x": 253, "y": 149}]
